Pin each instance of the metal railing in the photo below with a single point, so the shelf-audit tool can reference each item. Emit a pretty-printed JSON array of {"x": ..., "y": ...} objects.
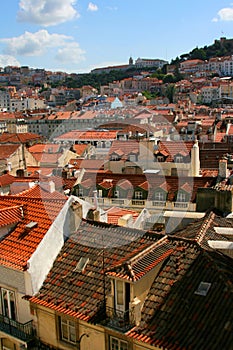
[
  {"x": 119, "y": 320},
  {"x": 22, "y": 331}
]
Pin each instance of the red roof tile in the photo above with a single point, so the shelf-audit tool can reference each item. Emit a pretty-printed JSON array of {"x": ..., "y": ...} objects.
[
  {"x": 6, "y": 179},
  {"x": 18, "y": 246}
]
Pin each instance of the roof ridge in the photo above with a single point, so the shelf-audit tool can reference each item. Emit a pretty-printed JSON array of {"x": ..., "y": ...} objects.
[
  {"x": 148, "y": 249},
  {"x": 204, "y": 227}
]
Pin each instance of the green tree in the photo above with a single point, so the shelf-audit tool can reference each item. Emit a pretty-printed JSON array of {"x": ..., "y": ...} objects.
[
  {"x": 169, "y": 78},
  {"x": 170, "y": 92}
]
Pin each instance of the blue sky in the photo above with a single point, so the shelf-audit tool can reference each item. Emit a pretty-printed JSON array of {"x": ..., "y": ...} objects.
[{"x": 78, "y": 35}]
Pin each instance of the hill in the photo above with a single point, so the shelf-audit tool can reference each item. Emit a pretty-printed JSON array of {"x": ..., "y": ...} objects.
[{"x": 221, "y": 47}]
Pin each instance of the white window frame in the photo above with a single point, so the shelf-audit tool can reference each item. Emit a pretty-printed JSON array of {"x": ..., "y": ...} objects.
[
  {"x": 179, "y": 159},
  {"x": 181, "y": 197},
  {"x": 8, "y": 309},
  {"x": 138, "y": 195},
  {"x": 120, "y": 295},
  {"x": 132, "y": 158},
  {"x": 160, "y": 196},
  {"x": 71, "y": 330},
  {"x": 117, "y": 344}
]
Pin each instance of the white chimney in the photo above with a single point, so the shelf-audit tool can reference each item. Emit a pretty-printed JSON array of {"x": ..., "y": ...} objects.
[{"x": 195, "y": 160}]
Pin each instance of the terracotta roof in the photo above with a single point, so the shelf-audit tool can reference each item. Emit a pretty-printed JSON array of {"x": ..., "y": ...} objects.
[
  {"x": 6, "y": 179},
  {"x": 89, "y": 135},
  {"x": 189, "y": 298},
  {"x": 96, "y": 164},
  {"x": 80, "y": 148},
  {"x": 202, "y": 230},
  {"x": 115, "y": 213},
  {"x": 44, "y": 148},
  {"x": 7, "y": 150},
  {"x": 80, "y": 294},
  {"x": 124, "y": 148},
  {"x": 191, "y": 287},
  {"x": 11, "y": 215},
  {"x": 173, "y": 148},
  {"x": 18, "y": 246},
  {"x": 19, "y": 138},
  {"x": 173, "y": 183}
]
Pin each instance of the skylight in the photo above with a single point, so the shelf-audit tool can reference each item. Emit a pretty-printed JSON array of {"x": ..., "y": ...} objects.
[
  {"x": 203, "y": 288},
  {"x": 81, "y": 264}
]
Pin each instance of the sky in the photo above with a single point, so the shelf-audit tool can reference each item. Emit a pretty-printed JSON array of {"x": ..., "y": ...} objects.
[{"x": 76, "y": 36}]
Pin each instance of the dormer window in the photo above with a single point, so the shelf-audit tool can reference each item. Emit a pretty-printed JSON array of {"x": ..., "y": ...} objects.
[
  {"x": 179, "y": 159},
  {"x": 160, "y": 159},
  {"x": 114, "y": 157},
  {"x": 138, "y": 195},
  {"x": 132, "y": 158},
  {"x": 181, "y": 197},
  {"x": 121, "y": 296},
  {"x": 80, "y": 192},
  {"x": 160, "y": 196}
]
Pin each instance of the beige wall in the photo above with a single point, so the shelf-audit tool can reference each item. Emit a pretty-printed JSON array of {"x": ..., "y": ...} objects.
[{"x": 48, "y": 331}]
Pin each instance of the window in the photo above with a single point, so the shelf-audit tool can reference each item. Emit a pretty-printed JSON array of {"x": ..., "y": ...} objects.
[
  {"x": 8, "y": 307},
  {"x": 120, "y": 292},
  {"x": 179, "y": 159},
  {"x": 160, "y": 196},
  {"x": 118, "y": 344},
  {"x": 138, "y": 195},
  {"x": 132, "y": 158},
  {"x": 114, "y": 157},
  {"x": 160, "y": 159},
  {"x": 68, "y": 331},
  {"x": 181, "y": 197},
  {"x": 80, "y": 192},
  {"x": 116, "y": 194}
]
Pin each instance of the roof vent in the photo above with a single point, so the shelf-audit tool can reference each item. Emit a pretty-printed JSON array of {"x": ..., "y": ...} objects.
[
  {"x": 31, "y": 225},
  {"x": 80, "y": 267},
  {"x": 203, "y": 288}
]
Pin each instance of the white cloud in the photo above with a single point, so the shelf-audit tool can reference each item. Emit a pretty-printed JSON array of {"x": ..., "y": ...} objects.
[
  {"x": 30, "y": 44},
  {"x": 71, "y": 53},
  {"x": 46, "y": 12},
  {"x": 225, "y": 14},
  {"x": 92, "y": 7},
  {"x": 6, "y": 60}
]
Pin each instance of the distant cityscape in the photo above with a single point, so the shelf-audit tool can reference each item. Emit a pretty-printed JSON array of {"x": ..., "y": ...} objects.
[{"x": 116, "y": 202}]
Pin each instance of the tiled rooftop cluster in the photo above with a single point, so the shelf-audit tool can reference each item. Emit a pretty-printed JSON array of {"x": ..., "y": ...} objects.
[{"x": 188, "y": 303}]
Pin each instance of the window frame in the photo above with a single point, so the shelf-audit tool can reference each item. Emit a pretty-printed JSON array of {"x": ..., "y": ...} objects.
[
  {"x": 66, "y": 322},
  {"x": 9, "y": 308},
  {"x": 181, "y": 197},
  {"x": 138, "y": 195},
  {"x": 160, "y": 196},
  {"x": 118, "y": 344}
]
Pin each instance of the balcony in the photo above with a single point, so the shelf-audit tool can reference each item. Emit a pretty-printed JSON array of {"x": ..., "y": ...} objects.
[
  {"x": 138, "y": 202},
  {"x": 119, "y": 320},
  {"x": 21, "y": 331}
]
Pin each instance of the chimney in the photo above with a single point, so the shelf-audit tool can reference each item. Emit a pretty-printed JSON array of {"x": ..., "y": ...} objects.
[
  {"x": 222, "y": 169},
  {"x": 126, "y": 220},
  {"x": 76, "y": 214},
  {"x": 48, "y": 186},
  {"x": 195, "y": 160}
]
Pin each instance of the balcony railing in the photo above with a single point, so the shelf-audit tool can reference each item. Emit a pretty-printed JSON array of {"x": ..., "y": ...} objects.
[
  {"x": 138, "y": 202},
  {"x": 119, "y": 320},
  {"x": 153, "y": 205},
  {"x": 22, "y": 331},
  {"x": 181, "y": 204}
]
